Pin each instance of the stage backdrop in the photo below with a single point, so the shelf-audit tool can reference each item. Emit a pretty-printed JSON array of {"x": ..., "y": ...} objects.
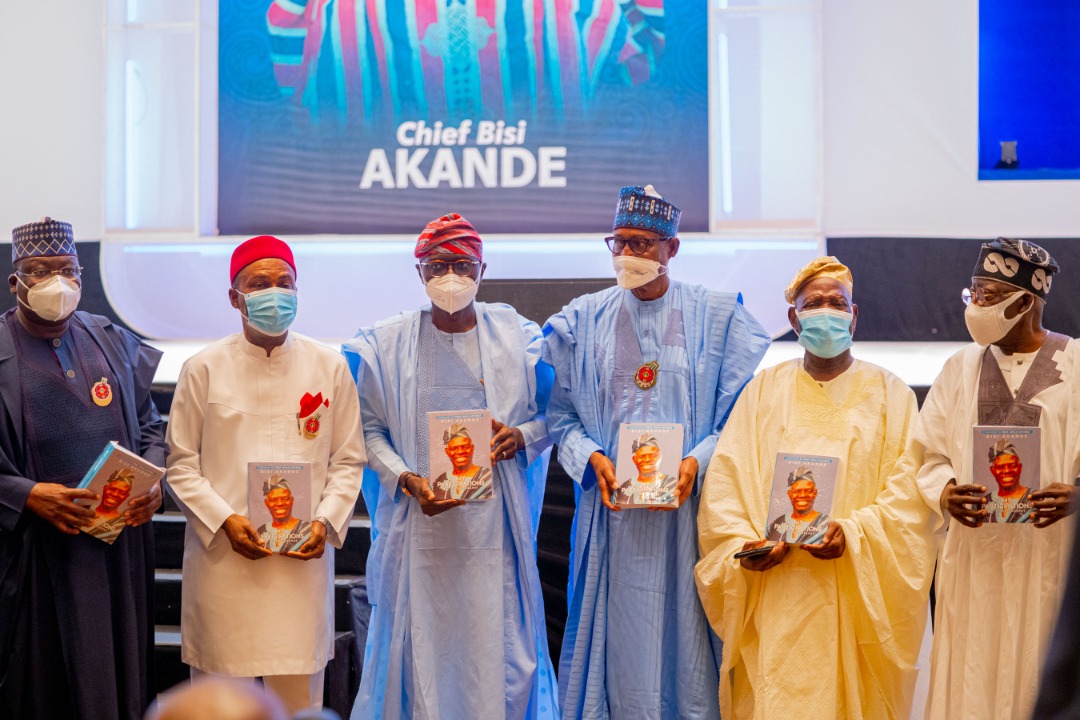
[{"x": 372, "y": 117}]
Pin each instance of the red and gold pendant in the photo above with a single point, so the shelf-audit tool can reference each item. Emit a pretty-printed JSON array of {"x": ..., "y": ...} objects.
[
  {"x": 307, "y": 420},
  {"x": 101, "y": 393},
  {"x": 646, "y": 375}
]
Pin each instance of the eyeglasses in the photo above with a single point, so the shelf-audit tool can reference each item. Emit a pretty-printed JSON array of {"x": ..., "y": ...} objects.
[
  {"x": 438, "y": 268},
  {"x": 70, "y": 272},
  {"x": 984, "y": 297},
  {"x": 638, "y": 245}
]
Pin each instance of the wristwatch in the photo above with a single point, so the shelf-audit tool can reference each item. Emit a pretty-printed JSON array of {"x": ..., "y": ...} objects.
[
  {"x": 324, "y": 521},
  {"x": 403, "y": 481}
]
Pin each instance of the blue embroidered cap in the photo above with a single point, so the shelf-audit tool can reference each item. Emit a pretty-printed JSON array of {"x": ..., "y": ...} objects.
[
  {"x": 643, "y": 208},
  {"x": 44, "y": 238}
]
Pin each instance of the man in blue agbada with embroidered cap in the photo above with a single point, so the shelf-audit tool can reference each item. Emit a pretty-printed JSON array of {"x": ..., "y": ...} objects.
[
  {"x": 76, "y": 613},
  {"x": 652, "y": 349}
]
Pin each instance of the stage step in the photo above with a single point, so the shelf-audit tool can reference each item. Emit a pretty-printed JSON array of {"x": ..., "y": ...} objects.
[{"x": 168, "y": 582}]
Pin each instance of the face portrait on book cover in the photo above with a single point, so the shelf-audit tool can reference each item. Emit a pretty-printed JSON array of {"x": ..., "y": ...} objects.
[
  {"x": 460, "y": 451},
  {"x": 1006, "y": 469},
  {"x": 1010, "y": 502},
  {"x": 802, "y": 494},
  {"x": 279, "y": 501},
  {"x": 116, "y": 490},
  {"x": 647, "y": 459}
]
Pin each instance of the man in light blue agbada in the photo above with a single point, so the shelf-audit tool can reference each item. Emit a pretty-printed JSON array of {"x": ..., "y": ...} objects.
[
  {"x": 457, "y": 627},
  {"x": 637, "y": 642}
]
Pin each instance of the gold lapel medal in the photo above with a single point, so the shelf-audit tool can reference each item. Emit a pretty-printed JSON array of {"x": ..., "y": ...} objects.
[
  {"x": 101, "y": 393},
  {"x": 646, "y": 375}
]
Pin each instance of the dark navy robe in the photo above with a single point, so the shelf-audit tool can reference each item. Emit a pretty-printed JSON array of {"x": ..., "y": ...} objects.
[{"x": 76, "y": 614}]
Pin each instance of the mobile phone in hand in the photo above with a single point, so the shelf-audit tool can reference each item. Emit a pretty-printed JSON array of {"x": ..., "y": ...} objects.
[{"x": 755, "y": 552}]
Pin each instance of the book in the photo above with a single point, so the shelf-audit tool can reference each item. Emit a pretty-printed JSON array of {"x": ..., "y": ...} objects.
[
  {"x": 802, "y": 498},
  {"x": 1005, "y": 460},
  {"x": 459, "y": 455},
  {"x": 647, "y": 463},
  {"x": 279, "y": 504},
  {"x": 118, "y": 475}
]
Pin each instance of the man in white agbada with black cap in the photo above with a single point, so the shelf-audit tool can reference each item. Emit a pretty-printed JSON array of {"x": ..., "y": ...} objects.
[{"x": 999, "y": 584}]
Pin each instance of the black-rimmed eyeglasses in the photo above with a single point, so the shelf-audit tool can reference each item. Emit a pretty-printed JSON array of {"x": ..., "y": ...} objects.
[
  {"x": 638, "y": 245},
  {"x": 438, "y": 268}
]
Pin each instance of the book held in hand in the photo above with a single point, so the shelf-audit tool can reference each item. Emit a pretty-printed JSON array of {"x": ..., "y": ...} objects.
[
  {"x": 117, "y": 476},
  {"x": 279, "y": 504},
  {"x": 802, "y": 498},
  {"x": 1005, "y": 460},
  {"x": 647, "y": 465},
  {"x": 459, "y": 455}
]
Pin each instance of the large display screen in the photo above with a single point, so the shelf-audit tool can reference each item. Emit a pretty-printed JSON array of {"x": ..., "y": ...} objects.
[
  {"x": 375, "y": 116},
  {"x": 1029, "y": 90}
]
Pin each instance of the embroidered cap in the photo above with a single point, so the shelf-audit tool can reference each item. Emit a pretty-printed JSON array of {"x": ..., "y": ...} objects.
[
  {"x": 826, "y": 266},
  {"x": 44, "y": 238},
  {"x": 644, "y": 441},
  {"x": 1019, "y": 263},
  {"x": 1002, "y": 447},
  {"x": 455, "y": 431},
  {"x": 801, "y": 473},
  {"x": 644, "y": 208},
  {"x": 124, "y": 475},
  {"x": 275, "y": 482}
]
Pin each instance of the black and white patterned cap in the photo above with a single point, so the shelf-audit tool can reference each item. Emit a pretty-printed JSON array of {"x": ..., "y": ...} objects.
[
  {"x": 455, "y": 431},
  {"x": 643, "y": 441},
  {"x": 800, "y": 473},
  {"x": 1003, "y": 446},
  {"x": 44, "y": 238},
  {"x": 1020, "y": 263}
]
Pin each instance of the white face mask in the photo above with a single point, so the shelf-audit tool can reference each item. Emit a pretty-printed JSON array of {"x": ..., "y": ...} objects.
[
  {"x": 987, "y": 325},
  {"x": 54, "y": 299},
  {"x": 451, "y": 292},
  {"x": 633, "y": 272}
]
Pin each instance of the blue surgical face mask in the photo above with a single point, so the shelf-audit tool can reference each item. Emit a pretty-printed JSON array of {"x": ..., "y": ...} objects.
[
  {"x": 271, "y": 311},
  {"x": 825, "y": 333}
]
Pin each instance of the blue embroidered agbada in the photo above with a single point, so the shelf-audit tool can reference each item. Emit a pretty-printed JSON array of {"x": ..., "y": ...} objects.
[
  {"x": 637, "y": 642},
  {"x": 457, "y": 625},
  {"x": 76, "y": 614}
]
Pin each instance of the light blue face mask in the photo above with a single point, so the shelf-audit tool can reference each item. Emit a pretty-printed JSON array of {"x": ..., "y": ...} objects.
[
  {"x": 825, "y": 333},
  {"x": 271, "y": 311}
]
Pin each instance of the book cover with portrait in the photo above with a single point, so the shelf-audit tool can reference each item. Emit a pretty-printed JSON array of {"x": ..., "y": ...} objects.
[
  {"x": 459, "y": 455},
  {"x": 647, "y": 465},
  {"x": 802, "y": 497},
  {"x": 279, "y": 504},
  {"x": 117, "y": 476},
  {"x": 1005, "y": 460}
]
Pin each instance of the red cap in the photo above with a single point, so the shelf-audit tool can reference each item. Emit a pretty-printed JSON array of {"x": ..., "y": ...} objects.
[{"x": 259, "y": 248}]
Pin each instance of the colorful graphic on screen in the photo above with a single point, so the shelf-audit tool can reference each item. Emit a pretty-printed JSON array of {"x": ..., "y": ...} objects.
[{"x": 374, "y": 116}]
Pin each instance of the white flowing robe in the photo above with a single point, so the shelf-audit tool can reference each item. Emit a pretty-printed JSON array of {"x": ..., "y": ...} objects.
[
  {"x": 817, "y": 638},
  {"x": 234, "y": 405},
  {"x": 998, "y": 586}
]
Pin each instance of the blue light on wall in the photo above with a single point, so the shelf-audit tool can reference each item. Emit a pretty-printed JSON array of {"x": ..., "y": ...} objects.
[{"x": 1029, "y": 90}]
